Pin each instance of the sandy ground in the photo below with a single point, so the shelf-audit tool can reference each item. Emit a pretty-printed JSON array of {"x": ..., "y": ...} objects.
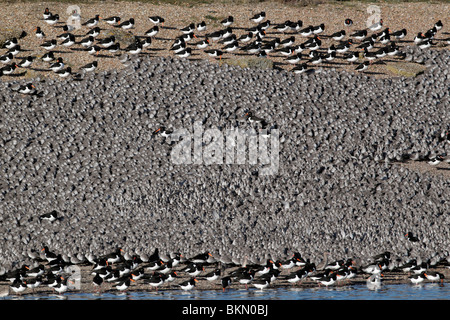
[{"x": 415, "y": 17}]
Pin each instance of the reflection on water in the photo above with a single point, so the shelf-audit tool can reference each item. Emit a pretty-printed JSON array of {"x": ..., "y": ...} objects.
[{"x": 427, "y": 291}]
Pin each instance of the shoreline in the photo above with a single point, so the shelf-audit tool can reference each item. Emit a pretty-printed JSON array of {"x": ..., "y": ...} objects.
[{"x": 86, "y": 285}]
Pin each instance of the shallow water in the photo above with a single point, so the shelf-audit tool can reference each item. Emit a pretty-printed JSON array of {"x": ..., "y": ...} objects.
[{"x": 427, "y": 291}]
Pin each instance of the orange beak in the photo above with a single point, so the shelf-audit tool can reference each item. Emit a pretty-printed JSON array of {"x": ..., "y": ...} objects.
[
  {"x": 195, "y": 36},
  {"x": 195, "y": 280}
]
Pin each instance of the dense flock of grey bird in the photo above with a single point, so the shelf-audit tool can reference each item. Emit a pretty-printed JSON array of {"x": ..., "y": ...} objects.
[{"x": 87, "y": 150}]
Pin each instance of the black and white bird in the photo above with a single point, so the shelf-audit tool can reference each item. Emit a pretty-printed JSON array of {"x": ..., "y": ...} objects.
[
  {"x": 87, "y": 42},
  {"x": 93, "y": 49},
  {"x": 107, "y": 42},
  {"x": 156, "y": 20},
  {"x": 11, "y": 43},
  {"x": 257, "y": 18},
  {"x": 58, "y": 65},
  {"x": 94, "y": 32},
  {"x": 49, "y": 45},
  {"x": 201, "y": 26},
  {"x": 363, "y": 66},
  {"x": 338, "y": 36},
  {"x": 64, "y": 73},
  {"x": 52, "y": 19},
  {"x": 28, "y": 88},
  {"x": 227, "y": 21},
  {"x": 48, "y": 57},
  {"x": 112, "y": 20},
  {"x": 7, "y": 58},
  {"x": 92, "y": 22},
  {"x": 69, "y": 41},
  {"x": 184, "y": 53},
  {"x": 90, "y": 66},
  {"x": 126, "y": 25},
  {"x": 49, "y": 216},
  {"x": 152, "y": 31}
]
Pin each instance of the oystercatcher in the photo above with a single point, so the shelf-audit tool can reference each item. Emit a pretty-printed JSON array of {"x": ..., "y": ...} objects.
[
  {"x": 11, "y": 43},
  {"x": 300, "y": 68},
  {"x": 184, "y": 53},
  {"x": 411, "y": 237},
  {"x": 124, "y": 283},
  {"x": 425, "y": 44},
  {"x": 231, "y": 47},
  {"x": 306, "y": 32},
  {"x": 214, "y": 53},
  {"x": 438, "y": 25},
  {"x": 188, "y": 29},
  {"x": 152, "y": 31},
  {"x": 363, "y": 66},
  {"x": 188, "y": 285},
  {"x": 49, "y": 45},
  {"x": 97, "y": 281},
  {"x": 46, "y": 13},
  {"x": 126, "y": 25},
  {"x": 94, "y": 32},
  {"x": 245, "y": 37},
  {"x": 52, "y": 19},
  {"x": 203, "y": 44},
  {"x": 400, "y": 34},
  {"x": 351, "y": 57},
  {"x": 93, "y": 49},
  {"x": 52, "y": 215},
  {"x": 318, "y": 29},
  {"x": 48, "y": 57},
  {"x": 90, "y": 66},
  {"x": 134, "y": 48},
  {"x": 156, "y": 20},
  {"x": 294, "y": 59},
  {"x": 261, "y": 284},
  {"x": 338, "y": 35},
  {"x": 213, "y": 275},
  {"x": 6, "y": 58},
  {"x": 344, "y": 47},
  {"x": 419, "y": 38},
  {"x": 92, "y": 22},
  {"x": 376, "y": 26},
  {"x": 246, "y": 277},
  {"x": 227, "y": 21},
  {"x": 156, "y": 280},
  {"x": 328, "y": 280},
  {"x": 417, "y": 278},
  {"x": 112, "y": 20},
  {"x": 114, "y": 48},
  {"x": 359, "y": 35},
  {"x": 201, "y": 26},
  {"x": 87, "y": 42},
  {"x": 107, "y": 42},
  {"x": 8, "y": 69},
  {"x": 257, "y": 18},
  {"x": 29, "y": 88},
  {"x": 18, "y": 286},
  {"x": 348, "y": 22},
  {"x": 225, "y": 281},
  {"x": 69, "y": 41}
]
